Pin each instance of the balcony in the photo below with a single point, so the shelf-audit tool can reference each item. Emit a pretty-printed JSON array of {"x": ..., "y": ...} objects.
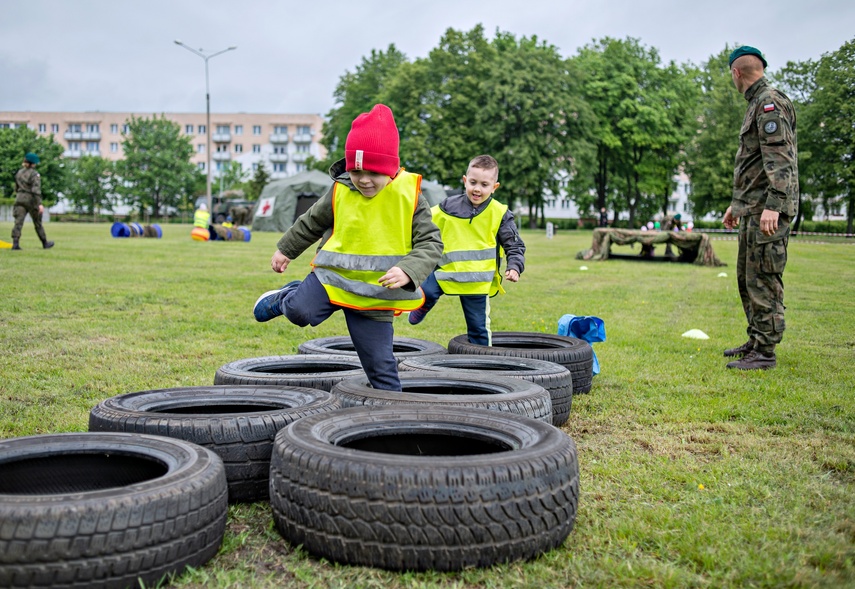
[
  {"x": 300, "y": 157},
  {"x": 303, "y": 138},
  {"x": 91, "y": 135},
  {"x": 279, "y": 158},
  {"x": 72, "y": 153},
  {"x": 221, "y": 137},
  {"x": 221, "y": 156},
  {"x": 73, "y": 136},
  {"x": 279, "y": 138}
]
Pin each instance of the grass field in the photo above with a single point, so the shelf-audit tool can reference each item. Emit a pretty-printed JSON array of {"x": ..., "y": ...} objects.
[{"x": 691, "y": 475}]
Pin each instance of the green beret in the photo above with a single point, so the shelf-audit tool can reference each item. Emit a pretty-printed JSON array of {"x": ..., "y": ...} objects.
[
  {"x": 32, "y": 158},
  {"x": 746, "y": 50}
]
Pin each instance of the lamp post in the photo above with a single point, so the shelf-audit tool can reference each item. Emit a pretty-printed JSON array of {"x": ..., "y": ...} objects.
[{"x": 206, "y": 57}]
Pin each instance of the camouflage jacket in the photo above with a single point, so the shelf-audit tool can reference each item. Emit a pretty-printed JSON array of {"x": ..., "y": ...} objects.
[
  {"x": 28, "y": 185},
  {"x": 766, "y": 174}
]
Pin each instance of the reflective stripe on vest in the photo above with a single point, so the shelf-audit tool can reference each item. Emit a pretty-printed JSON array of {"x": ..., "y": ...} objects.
[
  {"x": 380, "y": 228},
  {"x": 201, "y": 218},
  {"x": 469, "y": 264}
]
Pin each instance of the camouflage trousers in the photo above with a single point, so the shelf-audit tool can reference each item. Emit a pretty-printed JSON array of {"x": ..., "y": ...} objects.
[
  {"x": 759, "y": 273},
  {"x": 20, "y": 211}
]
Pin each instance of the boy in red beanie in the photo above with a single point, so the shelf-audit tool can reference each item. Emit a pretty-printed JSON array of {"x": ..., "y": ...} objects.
[
  {"x": 475, "y": 228},
  {"x": 378, "y": 243}
]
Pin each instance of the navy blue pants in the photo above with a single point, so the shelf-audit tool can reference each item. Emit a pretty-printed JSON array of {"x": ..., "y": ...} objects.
[
  {"x": 309, "y": 304},
  {"x": 476, "y": 311}
]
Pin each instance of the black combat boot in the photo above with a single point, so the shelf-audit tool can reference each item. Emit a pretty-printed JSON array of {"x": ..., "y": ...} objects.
[
  {"x": 755, "y": 360},
  {"x": 47, "y": 245},
  {"x": 15, "y": 244},
  {"x": 739, "y": 350}
]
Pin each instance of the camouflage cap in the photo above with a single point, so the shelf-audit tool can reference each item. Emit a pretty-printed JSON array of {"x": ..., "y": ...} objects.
[
  {"x": 746, "y": 50},
  {"x": 32, "y": 158}
]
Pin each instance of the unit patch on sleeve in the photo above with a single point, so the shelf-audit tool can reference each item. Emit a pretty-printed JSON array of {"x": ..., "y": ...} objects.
[{"x": 770, "y": 127}]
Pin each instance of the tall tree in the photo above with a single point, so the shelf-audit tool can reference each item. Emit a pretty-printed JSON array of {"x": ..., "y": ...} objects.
[
  {"x": 156, "y": 171},
  {"x": 92, "y": 185},
  {"x": 14, "y": 145},
  {"x": 258, "y": 181},
  {"x": 711, "y": 153},
  {"x": 356, "y": 93},
  {"x": 831, "y": 118}
]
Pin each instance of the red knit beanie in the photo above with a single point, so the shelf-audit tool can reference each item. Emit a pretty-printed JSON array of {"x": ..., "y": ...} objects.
[{"x": 372, "y": 143}]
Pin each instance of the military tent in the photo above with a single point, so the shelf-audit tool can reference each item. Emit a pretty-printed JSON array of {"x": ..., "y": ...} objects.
[{"x": 282, "y": 201}]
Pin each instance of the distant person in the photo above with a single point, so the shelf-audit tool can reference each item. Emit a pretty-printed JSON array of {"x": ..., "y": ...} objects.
[
  {"x": 475, "y": 228},
  {"x": 28, "y": 200},
  {"x": 202, "y": 217},
  {"x": 604, "y": 217},
  {"x": 765, "y": 199},
  {"x": 671, "y": 223},
  {"x": 240, "y": 215},
  {"x": 378, "y": 243}
]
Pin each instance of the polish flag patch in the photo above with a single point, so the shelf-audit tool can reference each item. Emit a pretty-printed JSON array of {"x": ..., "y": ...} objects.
[{"x": 768, "y": 107}]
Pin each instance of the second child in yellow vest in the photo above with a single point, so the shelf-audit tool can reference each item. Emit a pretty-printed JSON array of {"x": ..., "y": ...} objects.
[
  {"x": 378, "y": 243},
  {"x": 475, "y": 230}
]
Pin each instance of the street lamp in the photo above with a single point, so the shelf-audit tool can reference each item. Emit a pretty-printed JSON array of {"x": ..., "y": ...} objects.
[{"x": 206, "y": 57}]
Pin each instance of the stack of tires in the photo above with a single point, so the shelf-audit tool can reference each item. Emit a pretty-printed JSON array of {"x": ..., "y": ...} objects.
[{"x": 463, "y": 468}]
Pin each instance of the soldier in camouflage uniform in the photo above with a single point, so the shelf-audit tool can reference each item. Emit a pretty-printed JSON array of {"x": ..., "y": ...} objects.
[
  {"x": 28, "y": 185},
  {"x": 765, "y": 198}
]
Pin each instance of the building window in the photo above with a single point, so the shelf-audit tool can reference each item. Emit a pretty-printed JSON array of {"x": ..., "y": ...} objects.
[
  {"x": 92, "y": 128},
  {"x": 126, "y": 128},
  {"x": 256, "y": 129},
  {"x": 73, "y": 146},
  {"x": 201, "y": 166},
  {"x": 303, "y": 148},
  {"x": 114, "y": 129},
  {"x": 223, "y": 128},
  {"x": 222, "y": 149},
  {"x": 301, "y": 168},
  {"x": 304, "y": 130},
  {"x": 278, "y": 167},
  {"x": 238, "y": 129},
  {"x": 254, "y": 166},
  {"x": 114, "y": 147},
  {"x": 54, "y": 128},
  {"x": 238, "y": 148},
  {"x": 42, "y": 128},
  {"x": 202, "y": 129},
  {"x": 188, "y": 129},
  {"x": 200, "y": 148},
  {"x": 92, "y": 147},
  {"x": 281, "y": 129},
  {"x": 280, "y": 149},
  {"x": 74, "y": 128},
  {"x": 256, "y": 148}
]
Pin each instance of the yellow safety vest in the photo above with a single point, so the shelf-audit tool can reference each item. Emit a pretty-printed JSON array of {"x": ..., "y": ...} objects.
[
  {"x": 380, "y": 229},
  {"x": 469, "y": 264},
  {"x": 201, "y": 218}
]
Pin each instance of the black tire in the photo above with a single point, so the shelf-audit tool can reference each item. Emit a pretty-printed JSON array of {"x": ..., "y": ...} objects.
[
  {"x": 457, "y": 389},
  {"x": 315, "y": 371},
  {"x": 553, "y": 377},
  {"x": 106, "y": 510},
  {"x": 423, "y": 488},
  {"x": 574, "y": 354},
  {"x": 402, "y": 347},
  {"x": 237, "y": 422}
]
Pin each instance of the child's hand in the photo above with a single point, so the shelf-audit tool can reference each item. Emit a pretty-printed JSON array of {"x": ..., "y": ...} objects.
[
  {"x": 394, "y": 278},
  {"x": 279, "y": 262},
  {"x": 512, "y": 275}
]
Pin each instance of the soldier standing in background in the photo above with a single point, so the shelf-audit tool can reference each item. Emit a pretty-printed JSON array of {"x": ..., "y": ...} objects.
[
  {"x": 28, "y": 185},
  {"x": 765, "y": 199}
]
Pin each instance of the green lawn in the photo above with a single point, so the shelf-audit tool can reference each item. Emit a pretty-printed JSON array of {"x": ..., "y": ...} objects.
[{"x": 691, "y": 475}]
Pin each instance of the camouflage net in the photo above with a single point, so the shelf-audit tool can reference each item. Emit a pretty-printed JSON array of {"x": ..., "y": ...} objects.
[{"x": 695, "y": 248}]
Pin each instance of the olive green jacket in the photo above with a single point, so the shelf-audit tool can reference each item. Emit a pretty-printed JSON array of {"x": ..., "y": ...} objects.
[
  {"x": 766, "y": 171},
  {"x": 28, "y": 184}
]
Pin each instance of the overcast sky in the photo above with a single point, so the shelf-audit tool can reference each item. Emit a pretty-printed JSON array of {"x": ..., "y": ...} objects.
[{"x": 119, "y": 55}]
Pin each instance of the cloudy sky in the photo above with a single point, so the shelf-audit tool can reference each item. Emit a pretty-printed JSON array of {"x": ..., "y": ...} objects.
[{"x": 119, "y": 55}]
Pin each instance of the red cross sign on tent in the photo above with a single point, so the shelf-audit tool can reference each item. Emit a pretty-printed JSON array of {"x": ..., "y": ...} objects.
[{"x": 265, "y": 207}]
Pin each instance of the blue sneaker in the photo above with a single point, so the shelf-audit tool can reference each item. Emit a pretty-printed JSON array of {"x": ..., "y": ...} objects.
[
  {"x": 269, "y": 305},
  {"x": 417, "y": 316}
]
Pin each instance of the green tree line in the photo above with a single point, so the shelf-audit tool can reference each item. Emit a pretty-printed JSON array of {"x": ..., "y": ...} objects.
[{"x": 608, "y": 127}]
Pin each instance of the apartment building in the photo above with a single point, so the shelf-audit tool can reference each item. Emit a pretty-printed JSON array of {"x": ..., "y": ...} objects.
[{"x": 282, "y": 142}]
